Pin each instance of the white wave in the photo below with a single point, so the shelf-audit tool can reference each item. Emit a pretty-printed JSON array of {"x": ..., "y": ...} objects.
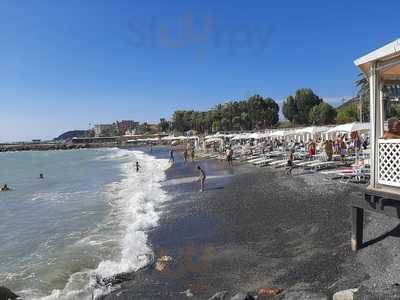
[{"x": 134, "y": 202}]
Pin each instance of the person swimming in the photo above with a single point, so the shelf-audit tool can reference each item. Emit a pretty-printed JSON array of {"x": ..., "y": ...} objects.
[
  {"x": 41, "y": 176},
  {"x": 137, "y": 166},
  {"x": 5, "y": 188}
]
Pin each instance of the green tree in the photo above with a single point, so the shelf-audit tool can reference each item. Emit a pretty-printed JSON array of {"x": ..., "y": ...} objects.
[
  {"x": 289, "y": 110},
  {"x": 305, "y": 101},
  {"x": 322, "y": 114},
  {"x": 297, "y": 109},
  {"x": 164, "y": 125},
  {"x": 363, "y": 94},
  {"x": 348, "y": 113},
  {"x": 262, "y": 112}
]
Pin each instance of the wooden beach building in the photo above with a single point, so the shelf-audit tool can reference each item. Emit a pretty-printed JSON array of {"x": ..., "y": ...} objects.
[{"x": 382, "y": 68}]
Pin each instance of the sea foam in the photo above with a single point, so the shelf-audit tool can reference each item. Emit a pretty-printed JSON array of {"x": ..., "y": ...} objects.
[{"x": 134, "y": 202}]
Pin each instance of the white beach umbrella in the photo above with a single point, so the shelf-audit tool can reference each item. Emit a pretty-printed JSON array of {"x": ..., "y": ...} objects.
[
  {"x": 312, "y": 129},
  {"x": 278, "y": 133},
  {"x": 350, "y": 127},
  {"x": 254, "y": 135},
  {"x": 213, "y": 140},
  {"x": 170, "y": 138}
]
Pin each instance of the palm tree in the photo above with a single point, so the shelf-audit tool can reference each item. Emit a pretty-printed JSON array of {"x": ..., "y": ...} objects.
[{"x": 363, "y": 93}]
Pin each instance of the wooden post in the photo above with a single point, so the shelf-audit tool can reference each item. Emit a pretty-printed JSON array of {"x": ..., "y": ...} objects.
[{"x": 357, "y": 220}]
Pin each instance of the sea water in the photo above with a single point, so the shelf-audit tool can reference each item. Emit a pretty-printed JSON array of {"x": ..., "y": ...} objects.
[{"x": 88, "y": 217}]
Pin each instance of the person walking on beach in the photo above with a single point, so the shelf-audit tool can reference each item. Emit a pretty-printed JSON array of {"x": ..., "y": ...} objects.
[
  {"x": 137, "y": 167},
  {"x": 343, "y": 149},
  {"x": 329, "y": 150},
  {"x": 193, "y": 154},
  {"x": 185, "y": 155},
  {"x": 228, "y": 156},
  {"x": 202, "y": 178},
  {"x": 312, "y": 149},
  {"x": 171, "y": 156},
  {"x": 290, "y": 164}
]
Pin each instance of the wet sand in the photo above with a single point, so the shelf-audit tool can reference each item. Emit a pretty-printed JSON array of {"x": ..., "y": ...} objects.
[{"x": 255, "y": 228}]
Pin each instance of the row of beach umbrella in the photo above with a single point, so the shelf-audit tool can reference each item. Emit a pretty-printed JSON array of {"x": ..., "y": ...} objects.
[{"x": 312, "y": 130}]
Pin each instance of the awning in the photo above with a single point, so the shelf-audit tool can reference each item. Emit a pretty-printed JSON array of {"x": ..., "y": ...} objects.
[
  {"x": 386, "y": 55},
  {"x": 312, "y": 130},
  {"x": 350, "y": 127}
]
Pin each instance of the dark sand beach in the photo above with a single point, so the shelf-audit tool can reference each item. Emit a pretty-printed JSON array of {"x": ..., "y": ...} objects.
[{"x": 256, "y": 228}]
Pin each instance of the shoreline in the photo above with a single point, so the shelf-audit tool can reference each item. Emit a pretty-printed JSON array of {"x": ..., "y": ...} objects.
[{"x": 258, "y": 228}]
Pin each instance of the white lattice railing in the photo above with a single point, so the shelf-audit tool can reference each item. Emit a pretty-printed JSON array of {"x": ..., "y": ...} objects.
[{"x": 389, "y": 162}]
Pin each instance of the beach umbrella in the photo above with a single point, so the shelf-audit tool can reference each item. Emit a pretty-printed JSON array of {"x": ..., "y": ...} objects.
[
  {"x": 167, "y": 138},
  {"x": 282, "y": 133},
  {"x": 254, "y": 135},
  {"x": 279, "y": 133},
  {"x": 312, "y": 130},
  {"x": 350, "y": 127}
]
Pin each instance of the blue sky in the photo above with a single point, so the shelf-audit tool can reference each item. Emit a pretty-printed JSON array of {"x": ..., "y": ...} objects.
[{"x": 67, "y": 63}]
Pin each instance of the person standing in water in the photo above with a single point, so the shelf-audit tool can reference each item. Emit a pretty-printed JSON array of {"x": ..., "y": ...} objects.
[
  {"x": 171, "y": 156},
  {"x": 202, "y": 178},
  {"x": 137, "y": 167}
]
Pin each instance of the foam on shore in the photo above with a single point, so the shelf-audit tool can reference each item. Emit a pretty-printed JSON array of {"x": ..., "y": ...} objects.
[{"x": 134, "y": 202}]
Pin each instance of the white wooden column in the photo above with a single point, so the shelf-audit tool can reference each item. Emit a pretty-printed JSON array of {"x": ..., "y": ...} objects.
[{"x": 375, "y": 121}]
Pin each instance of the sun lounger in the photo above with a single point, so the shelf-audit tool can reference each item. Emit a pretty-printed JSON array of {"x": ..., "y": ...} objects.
[
  {"x": 322, "y": 165},
  {"x": 306, "y": 163},
  {"x": 277, "y": 162},
  {"x": 284, "y": 164},
  {"x": 259, "y": 158},
  {"x": 263, "y": 163},
  {"x": 354, "y": 174}
]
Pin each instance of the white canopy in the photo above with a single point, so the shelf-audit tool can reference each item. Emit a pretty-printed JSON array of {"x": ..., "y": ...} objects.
[
  {"x": 312, "y": 130},
  {"x": 350, "y": 127},
  {"x": 279, "y": 133},
  {"x": 383, "y": 54},
  {"x": 213, "y": 140},
  {"x": 254, "y": 135},
  {"x": 217, "y": 135},
  {"x": 144, "y": 140},
  {"x": 242, "y": 136},
  {"x": 170, "y": 138}
]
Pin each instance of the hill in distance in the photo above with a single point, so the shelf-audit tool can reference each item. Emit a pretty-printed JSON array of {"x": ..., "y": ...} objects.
[{"x": 71, "y": 134}]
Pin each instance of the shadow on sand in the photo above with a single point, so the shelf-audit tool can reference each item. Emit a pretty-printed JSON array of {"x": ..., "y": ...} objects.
[{"x": 395, "y": 232}]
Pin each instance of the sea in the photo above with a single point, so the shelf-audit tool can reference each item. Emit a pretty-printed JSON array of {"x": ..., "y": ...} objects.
[{"x": 86, "y": 219}]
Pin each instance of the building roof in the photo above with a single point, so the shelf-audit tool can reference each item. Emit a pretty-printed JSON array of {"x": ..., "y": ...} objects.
[{"x": 385, "y": 53}]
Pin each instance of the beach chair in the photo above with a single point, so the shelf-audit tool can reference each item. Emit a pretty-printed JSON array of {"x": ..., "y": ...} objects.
[
  {"x": 357, "y": 175},
  {"x": 277, "y": 162},
  {"x": 320, "y": 165},
  {"x": 263, "y": 163},
  {"x": 284, "y": 164},
  {"x": 304, "y": 164}
]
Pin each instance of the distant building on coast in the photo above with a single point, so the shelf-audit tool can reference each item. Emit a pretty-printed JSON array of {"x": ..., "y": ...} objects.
[
  {"x": 118, "y": 128},
  {"x": 125, "y": 126},
  {"x": 144, "y": 128},
  {"x": 101, "y": 130}
]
